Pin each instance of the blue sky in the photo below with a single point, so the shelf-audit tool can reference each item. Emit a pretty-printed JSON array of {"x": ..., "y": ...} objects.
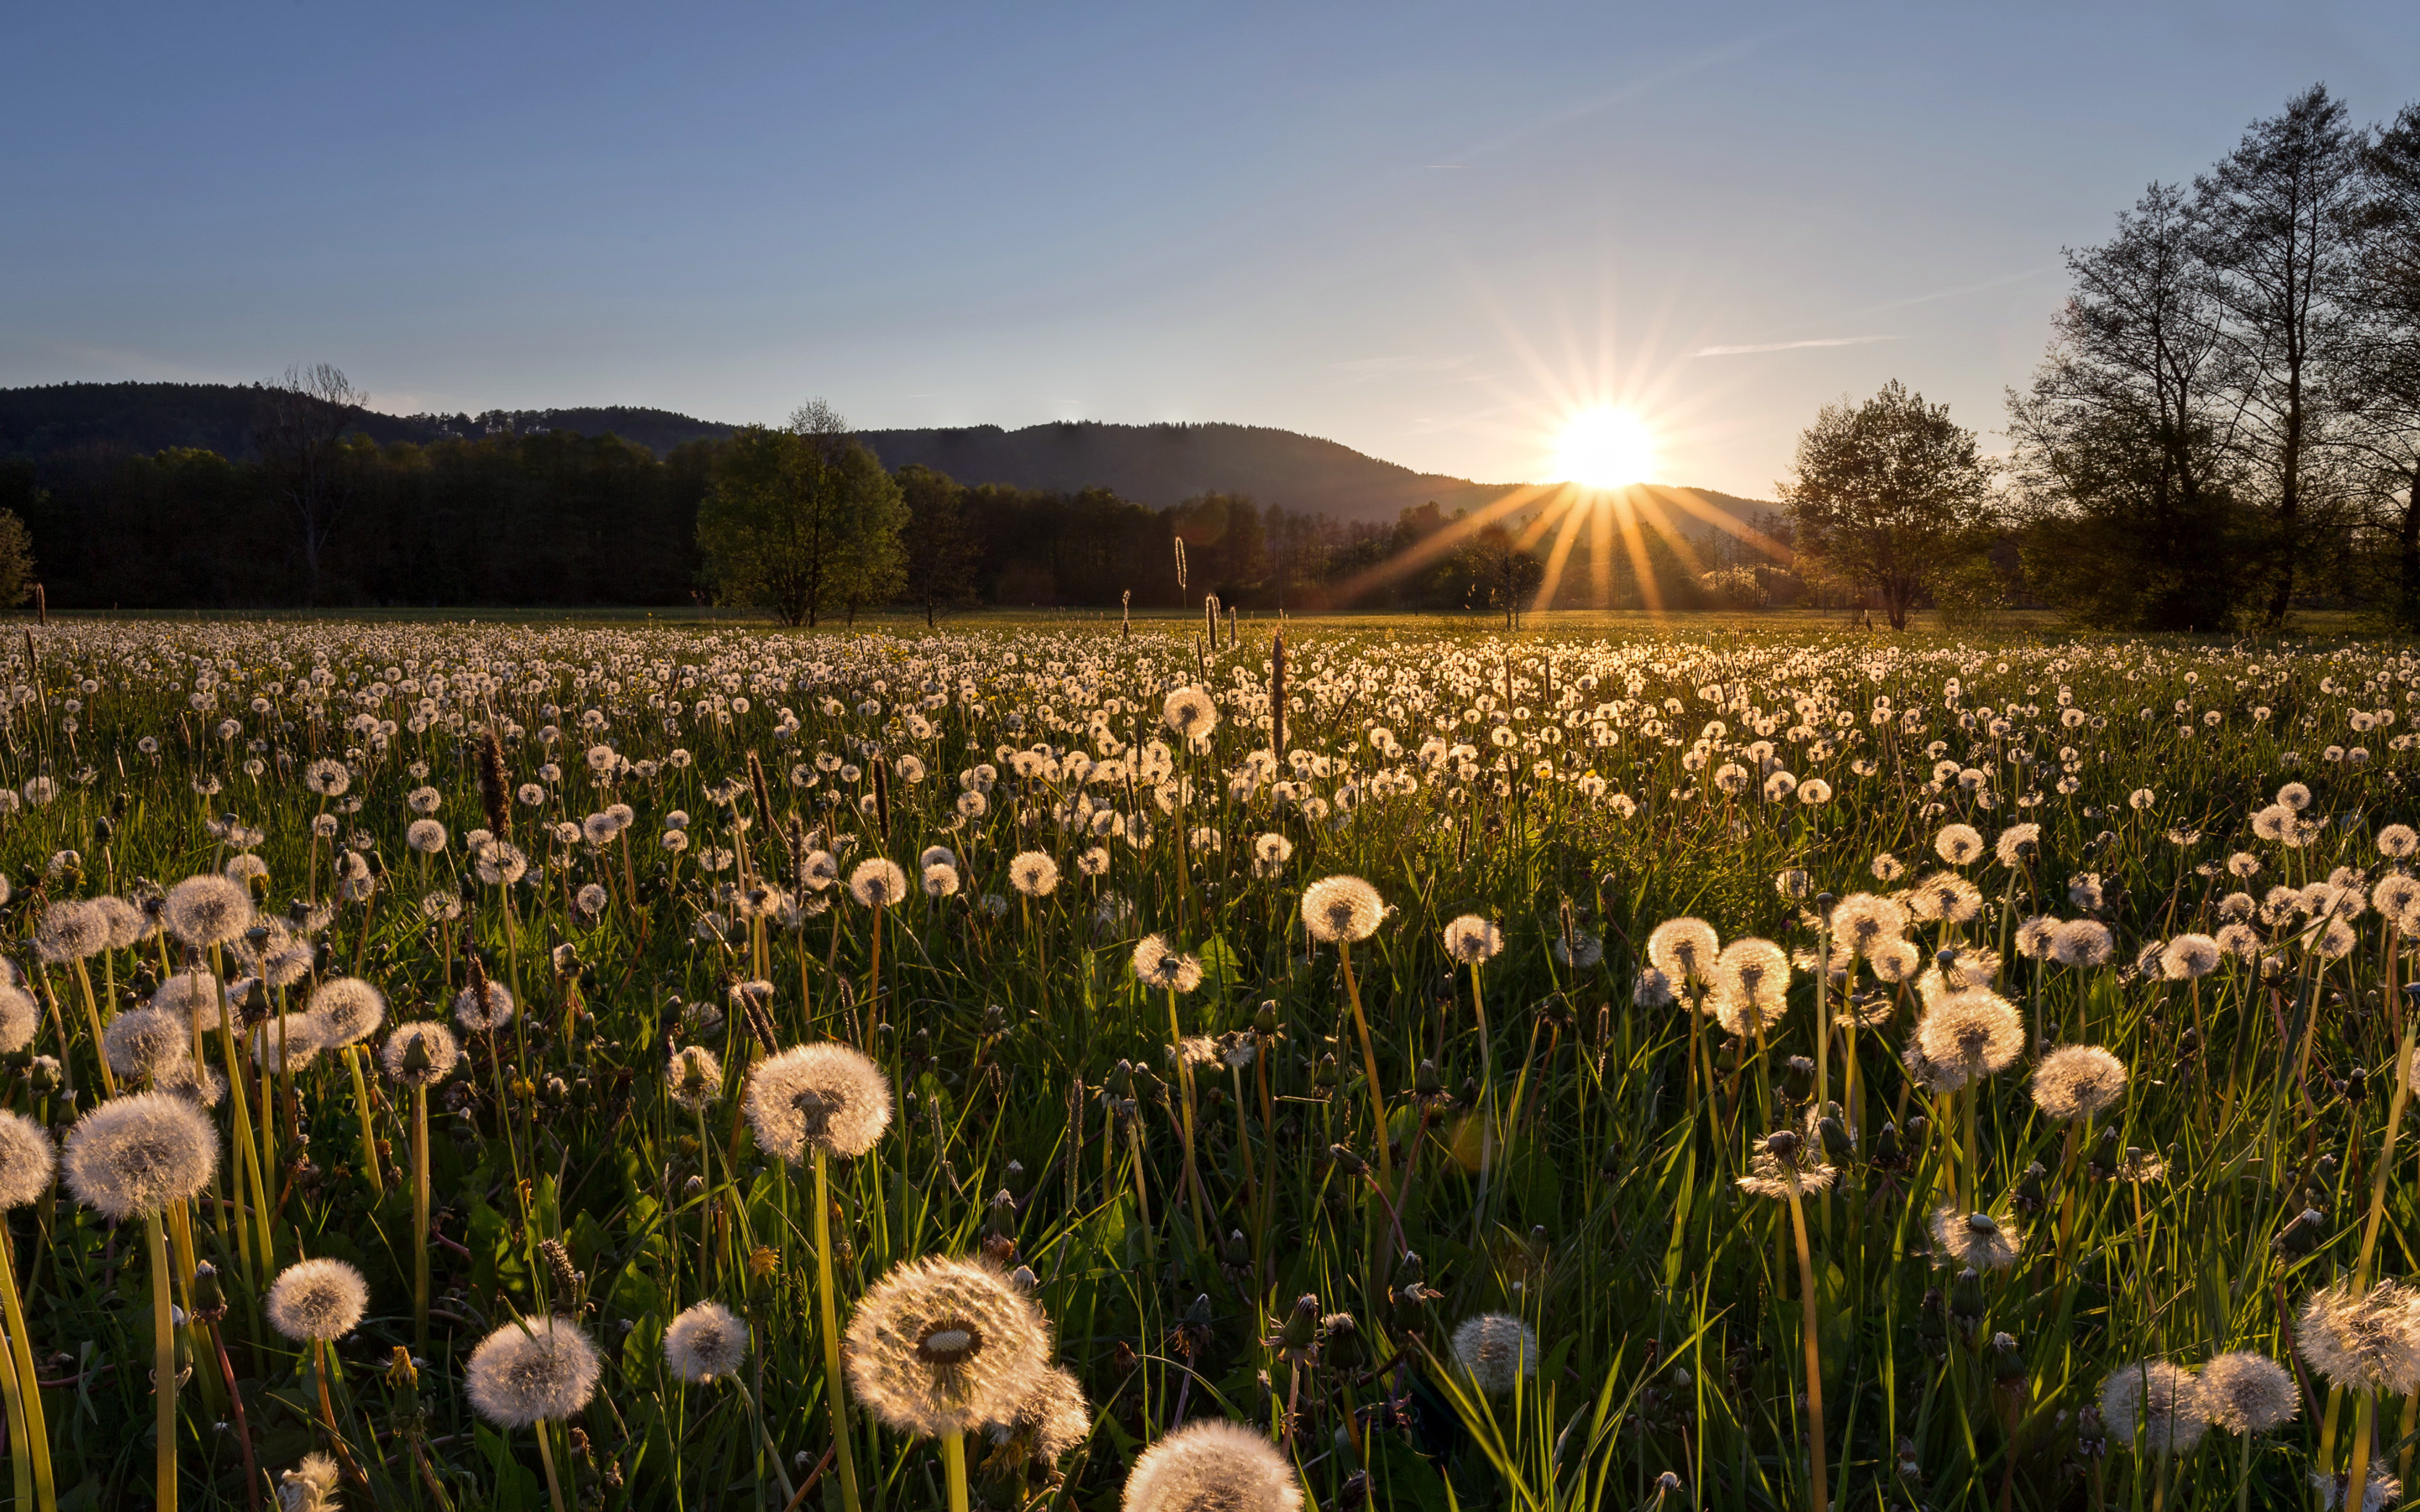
[{"x": 1428, "y": 232}]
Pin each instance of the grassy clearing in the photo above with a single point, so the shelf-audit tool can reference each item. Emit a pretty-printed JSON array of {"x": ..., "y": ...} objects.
[{"x": 1445, "y": 1229}]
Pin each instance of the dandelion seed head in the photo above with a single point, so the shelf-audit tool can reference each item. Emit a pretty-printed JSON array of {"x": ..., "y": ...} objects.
[
  {"x": 1212, "y": 1465},
  {"x": 1978, "y": 1241},
  {"x": 1471, "y": 940},
  {"x": 1495, "y": 1350},
  {"x": 1684, "y": 949},
  {"x": 942, "y": 1346},
  {"x": 138, "y": 1042},
  {"x": 28, "y": 1159},
  {"x": 2248, "y": 1392},
  {"x": 704, "y": 1343},
  {"x": 420, "y": 1054},
  {"x": 348, "y": 1009},
  {"x": 2160, "y": 1400},
  {"x": 207, "y": 910},
  {"x": 319, "y": 1299},
  {"x": 812, "y": 1096},
  {"x": 2077, "y": 1081},
  {"x": 1342, "y": 910},
  {"x": 878, "y": 883},
  {"x": 488, "y": 1005},
  {"x": 136, "y": 1155},
  {"x": 1032, "y": 874},
  {"x": 537, "y": 1369}
]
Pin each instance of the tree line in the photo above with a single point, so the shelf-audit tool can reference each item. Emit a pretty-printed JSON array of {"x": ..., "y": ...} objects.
[
  {"x": 2225, "y": 424},
  {"x": 801, "y": 519}
]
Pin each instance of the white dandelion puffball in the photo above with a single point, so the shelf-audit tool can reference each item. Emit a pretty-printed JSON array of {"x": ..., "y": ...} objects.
[
  {"x": 1034, "y": 875},
  {"x": 207, "y": 910},
  {"x": 704, "y": 1342},
  {"x": 137, "y": 1155},
  {"x": 420, "y": 1055},
  {"x": 140, "y": 1042},
  {"x": 1471, "y": 940},
  {"x": 1340, "y": 910},
  {"x": 21, "y": 1016},
  {"x": 348, "y": 1009},
  {"x": 943, "y": 1345},
  {"x": 319, "y": 1299},
  {"x": 537, "y": 1369},
  {"x": 1212, "y": 1465},
  {"x": 1496, "y": 1350},
  {"x": 487, "y": 1006},
  {"x": 28, "y": 1159},
  {"x": 812, "y": 1096},
  {"x": 878, "y": 883}
]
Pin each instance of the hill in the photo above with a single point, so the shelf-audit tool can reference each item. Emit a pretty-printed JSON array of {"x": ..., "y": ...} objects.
[{"x": 1159, "y": 465}]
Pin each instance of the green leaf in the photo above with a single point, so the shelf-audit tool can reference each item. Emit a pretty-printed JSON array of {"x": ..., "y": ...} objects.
[{"x": 516, "y": 1489}]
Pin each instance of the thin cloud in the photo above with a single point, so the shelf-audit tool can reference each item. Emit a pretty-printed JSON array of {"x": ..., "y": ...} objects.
[{"x": 1787, "y": 345}]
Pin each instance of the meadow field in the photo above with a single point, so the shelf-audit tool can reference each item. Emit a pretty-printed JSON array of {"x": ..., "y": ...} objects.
[{"x": 1625, "y": 1063}]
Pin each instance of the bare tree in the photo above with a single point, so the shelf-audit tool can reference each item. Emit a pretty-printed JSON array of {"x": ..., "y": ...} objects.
[
  {"x": 2279, "y": 218},
  {"x": 2381, "y": 392},
  {"x": 299, "y": 432}
]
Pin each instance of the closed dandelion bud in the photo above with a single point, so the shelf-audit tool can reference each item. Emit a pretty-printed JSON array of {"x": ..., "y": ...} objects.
[
  {"x": 1326, "y": 1073},
  {"x": 1782, "y": 1142},
  {"x": 2305, "y": 1234},
  {"x": 2008, "y": 1365},
  {"x": 1427, "y": 1082},
  {"x": 1264, "y": 1018},
  {"x": 1340, "y": 1343},
  {"x": 1836, "y": 1143},
  {"x": 1301, "y": 1328},
  {"x": 1967, "y": 1296},
  {"x": 1918, "y": 1127},
  {"x": 2091, "y": 1437},
  {"x": 1798, "y": 1078},
  {"x": 2028, "y": 1196},
  {"x": 1929, "y": 1321},
  {"x": 1886, "y": 1147},
  {"x": 210, "y": 1300},
  {"x": 1346, "y": 1161},
  {"x": 2104, "y": 1155},
  {"x": 2356, "y": 1086}
]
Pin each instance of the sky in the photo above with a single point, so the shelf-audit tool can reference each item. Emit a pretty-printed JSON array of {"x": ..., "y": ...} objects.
[{"x": 1432, "y": 233}]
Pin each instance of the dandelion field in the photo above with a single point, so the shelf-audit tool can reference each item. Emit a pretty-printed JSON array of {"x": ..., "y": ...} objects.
[{"x": 552, "y": 1066}]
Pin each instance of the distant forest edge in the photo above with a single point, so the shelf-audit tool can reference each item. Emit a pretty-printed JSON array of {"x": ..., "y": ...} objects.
[{"x": 158, "y": 495}]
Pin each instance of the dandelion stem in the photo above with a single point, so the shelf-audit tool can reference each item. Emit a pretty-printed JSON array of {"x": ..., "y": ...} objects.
[
  {"x": 546, "y": 1458},
  {"x": 1368, "y": 1064},
  {"x": 164, "y": 1368},
  {"x": 38, "y": 1436},
  {"x": 1810, "y": 1319},
  {"x": 954, "y": 1464},
  {"x": 420, "y": 1219},
  {"x": 369, "y": 1132},
  {"x": 835, "y": 1388}
]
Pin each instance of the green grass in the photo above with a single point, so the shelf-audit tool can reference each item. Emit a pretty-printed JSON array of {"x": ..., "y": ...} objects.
[{"x": 1040, "y": 1118}]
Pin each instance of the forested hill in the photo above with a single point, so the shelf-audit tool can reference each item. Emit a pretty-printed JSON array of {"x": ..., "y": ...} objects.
[{"x": 1157, "y": 464}]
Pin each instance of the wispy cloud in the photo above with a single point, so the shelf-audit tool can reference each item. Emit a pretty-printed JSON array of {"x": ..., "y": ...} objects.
[{"x": 1787, "y": 345}]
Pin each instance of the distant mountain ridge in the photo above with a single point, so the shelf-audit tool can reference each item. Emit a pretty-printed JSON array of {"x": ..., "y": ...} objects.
[{"x": 1154, "y": 464}]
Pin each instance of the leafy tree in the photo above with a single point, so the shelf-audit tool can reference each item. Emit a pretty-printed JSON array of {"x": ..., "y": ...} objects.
[
  {"x": 800, "y": 518},
  {"x": 16, "y": 559},
  {"x": 1890, "y": 493},
  {"x": 2123, "y": 482},
  {"x": 939, "y": 548}
]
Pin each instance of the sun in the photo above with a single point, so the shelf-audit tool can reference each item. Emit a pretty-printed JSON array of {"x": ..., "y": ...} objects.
[{"x": 1604, "y": 447}]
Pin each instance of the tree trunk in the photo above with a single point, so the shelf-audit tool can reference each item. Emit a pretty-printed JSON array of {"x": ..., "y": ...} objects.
[{"x": 2407, "y": 557}]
